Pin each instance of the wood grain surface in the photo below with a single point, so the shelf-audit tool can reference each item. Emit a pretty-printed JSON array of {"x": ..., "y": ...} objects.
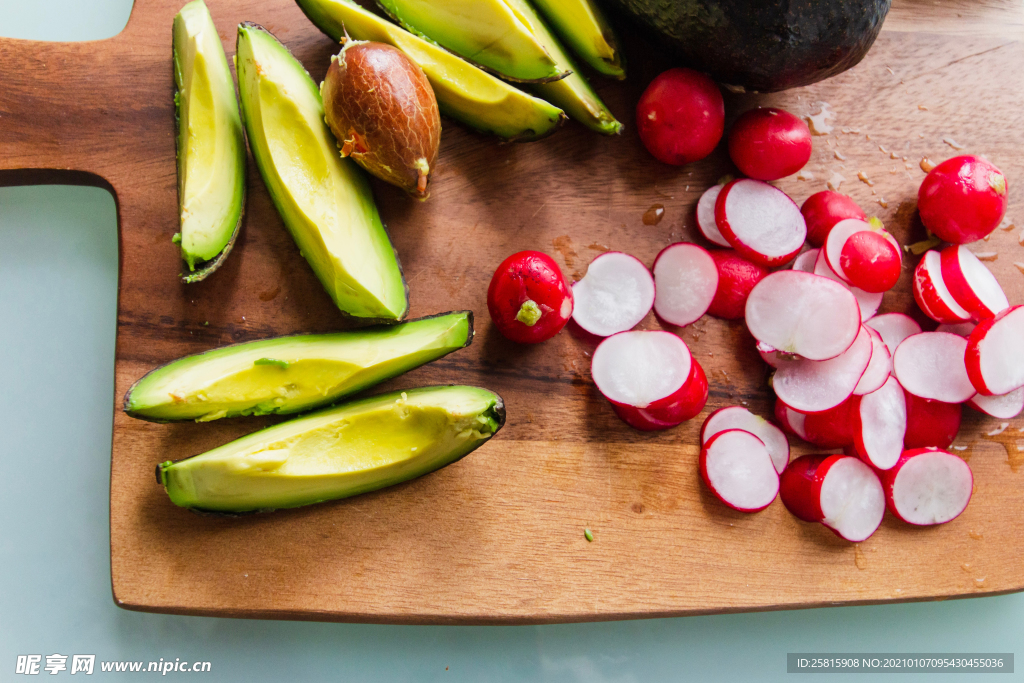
[{"x": 498, "y": 537}]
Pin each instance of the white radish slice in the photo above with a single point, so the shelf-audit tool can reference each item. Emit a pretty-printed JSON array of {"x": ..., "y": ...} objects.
[
  {"x": 931, "y": 365},
  {"x": 738, "y": 469},
  {"x": 879, "y": 368},
  {"x": 894, "y": 328},
  {"x": 738, "y": 417},
  {"x": 928, "y": 486},
  {"x": 971, "y": 284},
  {"x": 685, "y": 279},
  {"x": 959, "y": 329},
  {"x": 760, "y": 221},
  {"x": 852, "y": 499},
  {"x": 837, "y": 237},
  {"x": 881, "y": 424},
  {"x": 805, "y": 314},
  {"x": 1005, "y": 407},
  {"x": 805, "y": 261},
  {"x": 706, "y": 216},
  {"x": 868, "y": 301},
  {"x": 932, "y": 294},
  {"x": 995, "y": 357},
  {"x": 813, "y": 386},
  {"x": 615, "y": 294}
]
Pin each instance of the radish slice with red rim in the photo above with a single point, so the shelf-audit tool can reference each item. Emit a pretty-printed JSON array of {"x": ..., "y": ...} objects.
[
  {"x": 1004, "y": 407},
  {"x": 971, "y": 284},
  {"x": 928, "y": 486},
  {"x": 880, "y": 425},
  {"x": 813, "y": 386},
  {"x": 931, "y": 365},
  {"x": 894, "y": 328},
  {"x": 738, "y": 417},
  {"x": 805, "y": 261},
  {"x": 995, "y": 359},
  {"x": 706, "y": 216},
  {"x": 959, "y": 329},
  {"x": 616, "y": 293},
  {"x": 932, "y": 294},
  {"x": 805, "y": 314},
  {"x": 791, "y": 421},
  {"x": 852, "y": 498},
  {"x": 879, "y": 368},
  {"x": 738, "y": 469},
  {"x": 867, "y": 301},
  {"x": 760, "y": 221},
  {"x": 686, "y": 280}
]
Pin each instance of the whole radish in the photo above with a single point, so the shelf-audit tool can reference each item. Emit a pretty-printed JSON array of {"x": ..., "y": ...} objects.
[
  {"x": 736, "y": 277},
  {"x": 681, "y": 116},
  {"x": 769, "y": 143},
  {"x": 963, "y": 199},
  {"x": 529, "y": 299},
  {"x": 864, "y": 255},
  {"x": 823, "y": 210}
]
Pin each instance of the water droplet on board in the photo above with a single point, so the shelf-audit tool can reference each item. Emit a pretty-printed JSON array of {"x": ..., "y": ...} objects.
[{"x": 654, "y": 215}]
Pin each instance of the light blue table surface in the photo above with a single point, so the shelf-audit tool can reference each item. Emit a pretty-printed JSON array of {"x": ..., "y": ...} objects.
[{"x": 58, "y": 277}]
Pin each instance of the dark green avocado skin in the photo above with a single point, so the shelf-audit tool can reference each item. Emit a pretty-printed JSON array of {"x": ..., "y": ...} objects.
[{"x": 763, "y": 45}]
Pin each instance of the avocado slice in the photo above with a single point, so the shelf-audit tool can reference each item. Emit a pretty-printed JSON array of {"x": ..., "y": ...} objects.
[
  {"x": 488, "y": 33},
  {"x": 583, "y": 26},
  {"x": 324, "y": 200},
  {"x": 291, "y": 374},
  {"x": 339, "y": 452},
  {"x": 210, "y": 144},
  {"x": 463, "y": 91}
]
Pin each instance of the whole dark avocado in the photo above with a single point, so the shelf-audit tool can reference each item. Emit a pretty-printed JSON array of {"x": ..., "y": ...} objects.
[{"x": 764, "y": 45}]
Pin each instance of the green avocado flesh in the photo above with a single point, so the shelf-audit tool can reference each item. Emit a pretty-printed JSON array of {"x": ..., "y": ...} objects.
[
  {"x": 339, "y": 452},
  {"x": 463, "y": 91},
  {"x": 292, "y": 374},
  {"x": 325, "y": 201},
  {"x": 486, "y": 32},
  {"x": 211, "y": 147},
  {"x": 582, "y": 25}
]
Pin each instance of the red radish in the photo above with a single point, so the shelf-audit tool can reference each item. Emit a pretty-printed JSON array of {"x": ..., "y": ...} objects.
[
  {"x": 760, "y": 221},
  {"x": 681, "y": 116},
  {"x": 832, "y": 428},
  {"x": 823, "y": 210},
  {"x": 930, "y": 423},
  {"x": 931, "y": 365},
  {"x": 928, "y": 486},
  {"x": 769, "y": 143},
  {"x": 867, "y": 301},
  {"x": 839, "y": 491},
  {"x": 706, "y": 216},
  {"x": 995, "y": 362},
  {"x": 736, "y": 278},
  {"x": 773, "y": 356},
  {"x": 650, "y": 378},
  {"x": 971, "y": 284},
  {"x": 813, "y": 386},
  {"x": 738, "y": 469},
  {"x": 959, "y": 329},
  {"x": 805, "y": 314},
  {"x": 1004, "y": 407},
  {"x": 686, "y": 280},
  {"x": 737, "y": 417},
  {"x": 791, "y": 421},
  {"x": 529, "y": 299},
  {"x": 931, "y": 293},
  {"x": 805, "y": 261},
  {"x": 879, "y": 368},
  {"x": 880, "y": 424},
  {"x": 963, "y": 199},
  {"x": 864, "y": 255},
  {"x": 616, "y": 293},
  {"x": 894, "y": 328}
]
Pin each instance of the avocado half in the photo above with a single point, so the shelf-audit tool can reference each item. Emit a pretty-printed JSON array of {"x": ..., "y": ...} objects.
[
  {"x": 339, "y": 452},
  {"x": 763, "y": 45}
]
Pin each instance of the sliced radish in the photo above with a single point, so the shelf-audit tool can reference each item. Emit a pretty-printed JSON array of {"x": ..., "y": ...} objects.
[
  {"x": 686, "y": 279},
  {"x": 738, "y": 469},
  {"x": 931, "y": 365},
  {"x": 706, "y": 216},
  {"x": 995, "y": 356},
  {"x": 805, "y": 314},
  {"x": 959, "y": 329},
  {"x": 812, "y": 386},
  {"x": 864, "y": 255},
  {"x": 832, "y": 428},
  {"x": 791, "y": 421},
  {"x": 1005, "y": 407},
  {"x": 738, "y": 417},
  {"x": 928, "y": 486},
  {"x": 931, "y": 293},
  {"x": 894, "y": 328},
  {"x": 760, "y": 221},
  {"x": 805, "y": 261},
  {"x": 879, "y": 368},
  {"x": 930, "y": 423},
  {"x": 800, "y": 489},
  {"x": 615, "y": 294},
  {"x": 971, "y": 284},
  {"x": 880, "y": 423},
  {"x": 736, "y": 278},
  {"x": 650, "y": 378},
  {"x": 839, "y": 491},
  {"x": 867, "y": 301}
]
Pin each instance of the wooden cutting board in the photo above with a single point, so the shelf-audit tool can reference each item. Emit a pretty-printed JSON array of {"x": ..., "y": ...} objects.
[{"x": 498, "y": 537}]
